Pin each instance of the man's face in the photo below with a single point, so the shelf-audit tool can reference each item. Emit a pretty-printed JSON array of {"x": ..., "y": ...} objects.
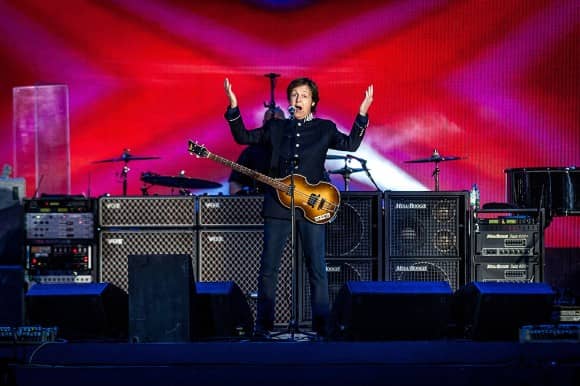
[{"x": 301, "y": 99}]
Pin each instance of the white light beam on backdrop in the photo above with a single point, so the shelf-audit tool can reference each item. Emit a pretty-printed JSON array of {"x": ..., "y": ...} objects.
[{"x": 385, "y": 173}]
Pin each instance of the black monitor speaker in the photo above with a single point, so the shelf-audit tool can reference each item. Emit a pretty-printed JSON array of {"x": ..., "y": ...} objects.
[
  {"x": 497, "y": 310},
  {"x": 221, "y": 311},
  {"x": 392, "y": 310},
  {"x": 81, "y": 311}
]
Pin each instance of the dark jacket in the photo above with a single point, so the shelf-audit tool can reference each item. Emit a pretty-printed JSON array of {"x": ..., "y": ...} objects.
[{"x": 301, "y": 145}]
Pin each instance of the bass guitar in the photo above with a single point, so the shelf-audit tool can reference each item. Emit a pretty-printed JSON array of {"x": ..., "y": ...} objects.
[{"x": 319, "y": 202}]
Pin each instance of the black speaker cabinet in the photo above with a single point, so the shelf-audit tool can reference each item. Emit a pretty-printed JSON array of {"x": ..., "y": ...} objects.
[
  {"x": 160, "y": 293},
  {"x": 11, "y": 295},
  {"x": 234, "y": 255},
  {"x": 357, "y": 229},
  {"x": 426, "y": 236},
  {"x": 230, "y": 211},
  {"x": 221, "y": 310},
  {"x": 146, "y": 211},
  {"x": 392, "y": 310},
  {"x": 496, "y": 310},
  {"x": 115, "y": 246},
  {"x": 81, "y": 311},
  {"x": 11, "y": 234},
  {"x": 354, "y": 242},
  {"x": 339, "y": 272}
]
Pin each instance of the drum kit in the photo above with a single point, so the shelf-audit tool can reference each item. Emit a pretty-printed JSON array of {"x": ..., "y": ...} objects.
[
  {"x": 185, "y": 184},
  {"x": 346, "y": 171},
  {"x": 182, "y": 182}
]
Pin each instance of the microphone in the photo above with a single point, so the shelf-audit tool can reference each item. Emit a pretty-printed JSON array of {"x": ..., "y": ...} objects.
[{"x": 291, "y": 110}]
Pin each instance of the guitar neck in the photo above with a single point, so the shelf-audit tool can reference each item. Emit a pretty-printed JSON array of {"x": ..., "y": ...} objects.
[{"x": 276, "y": 184}]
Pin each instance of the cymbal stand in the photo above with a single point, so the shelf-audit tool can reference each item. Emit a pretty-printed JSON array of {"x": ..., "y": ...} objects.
[
  {"x": 436, "y": 175},
  {"x": 346, "y": 174},
  {"x": 368, "y": 172},
  {"x": 124, "y": 173},
  {"x": 346, "y": 178}
]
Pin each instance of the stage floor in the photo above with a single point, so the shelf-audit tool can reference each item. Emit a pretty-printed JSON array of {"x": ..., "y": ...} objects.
[{"x": 296, "y": 361}]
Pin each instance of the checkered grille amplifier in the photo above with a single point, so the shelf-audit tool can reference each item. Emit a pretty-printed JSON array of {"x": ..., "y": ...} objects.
[
  {"x": 357, "y": 229},
  {"x": 158, "y": 211},
  {"x": 447, "y": 270},
  {"x": 230, "y": 211},
  {"x": 234, "y": 255},
  {"x": 116, "y": 246},
  {"x": 339, "y": 271},
  {"x": 426, "y": 224}
]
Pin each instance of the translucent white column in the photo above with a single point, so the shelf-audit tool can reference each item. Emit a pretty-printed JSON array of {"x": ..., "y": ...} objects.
[{"x": 42, "y": 138}]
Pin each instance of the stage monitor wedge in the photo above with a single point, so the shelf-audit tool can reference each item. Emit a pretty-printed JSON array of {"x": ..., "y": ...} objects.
[
  {"x": 384, "y": 310},
  {"x": 81, "y": 311},
  {"x": 221, "y": 311},
  {"x": 496, "y": 310}
]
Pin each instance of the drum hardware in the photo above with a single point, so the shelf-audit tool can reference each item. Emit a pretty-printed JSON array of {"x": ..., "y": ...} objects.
[
  {"x": 346, "y": 170},
  {"x": 436, "y": 158},
  {"x": 335, "y": 156},
  {"x": 126, "y": 157},
  {"x": 185, "y": 184}
]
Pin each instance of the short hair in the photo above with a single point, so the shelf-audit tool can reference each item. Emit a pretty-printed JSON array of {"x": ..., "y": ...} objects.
[{"x": 305, "y": 82}]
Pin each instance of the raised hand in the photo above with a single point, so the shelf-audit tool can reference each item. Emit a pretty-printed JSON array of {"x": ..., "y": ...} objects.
[
  {"x": 367, "y": 101},
  {"x": 230, "y": 94}
]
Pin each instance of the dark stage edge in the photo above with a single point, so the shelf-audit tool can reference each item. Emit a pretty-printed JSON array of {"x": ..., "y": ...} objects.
[{"x": 281, "y": 363}]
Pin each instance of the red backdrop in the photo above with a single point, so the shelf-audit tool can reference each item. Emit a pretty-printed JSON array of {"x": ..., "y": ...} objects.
[{"x": 495, "y": 82}]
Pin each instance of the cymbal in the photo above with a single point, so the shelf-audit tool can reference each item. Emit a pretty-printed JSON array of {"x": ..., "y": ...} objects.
[
  {"x": 434, "y": 158},
  {"x": 345, "y": 171},
  {"x": 126, "y": 157},
  {"x": 179, "y": 181},
  {"x": 335, "y": 156}
]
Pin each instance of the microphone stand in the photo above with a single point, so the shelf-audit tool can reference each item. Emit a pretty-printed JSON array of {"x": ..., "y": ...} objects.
[{"x": 293, "y": 327}]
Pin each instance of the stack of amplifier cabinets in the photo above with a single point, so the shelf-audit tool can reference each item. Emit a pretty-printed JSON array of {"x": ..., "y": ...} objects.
[
  {"x": 230, "y": 247},
  {"x": 426, "y": 236},
  {"x": 156, "y": 225}
]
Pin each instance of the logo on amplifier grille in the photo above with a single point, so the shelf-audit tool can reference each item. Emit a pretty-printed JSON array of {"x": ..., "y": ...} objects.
[
  {"x": 215, "y": 239},
  {"x": 336, "y": 268},
  {"x": 411, "y": 268},
  {"x": 410, "y": 205},
  {"x": 212, "y": 205},
  {"x": 115, "y": 241},
  {"x": 506, "y": 266},
  {"x": 505, "y": 236},
  {"x": 113, "y": 205}
]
